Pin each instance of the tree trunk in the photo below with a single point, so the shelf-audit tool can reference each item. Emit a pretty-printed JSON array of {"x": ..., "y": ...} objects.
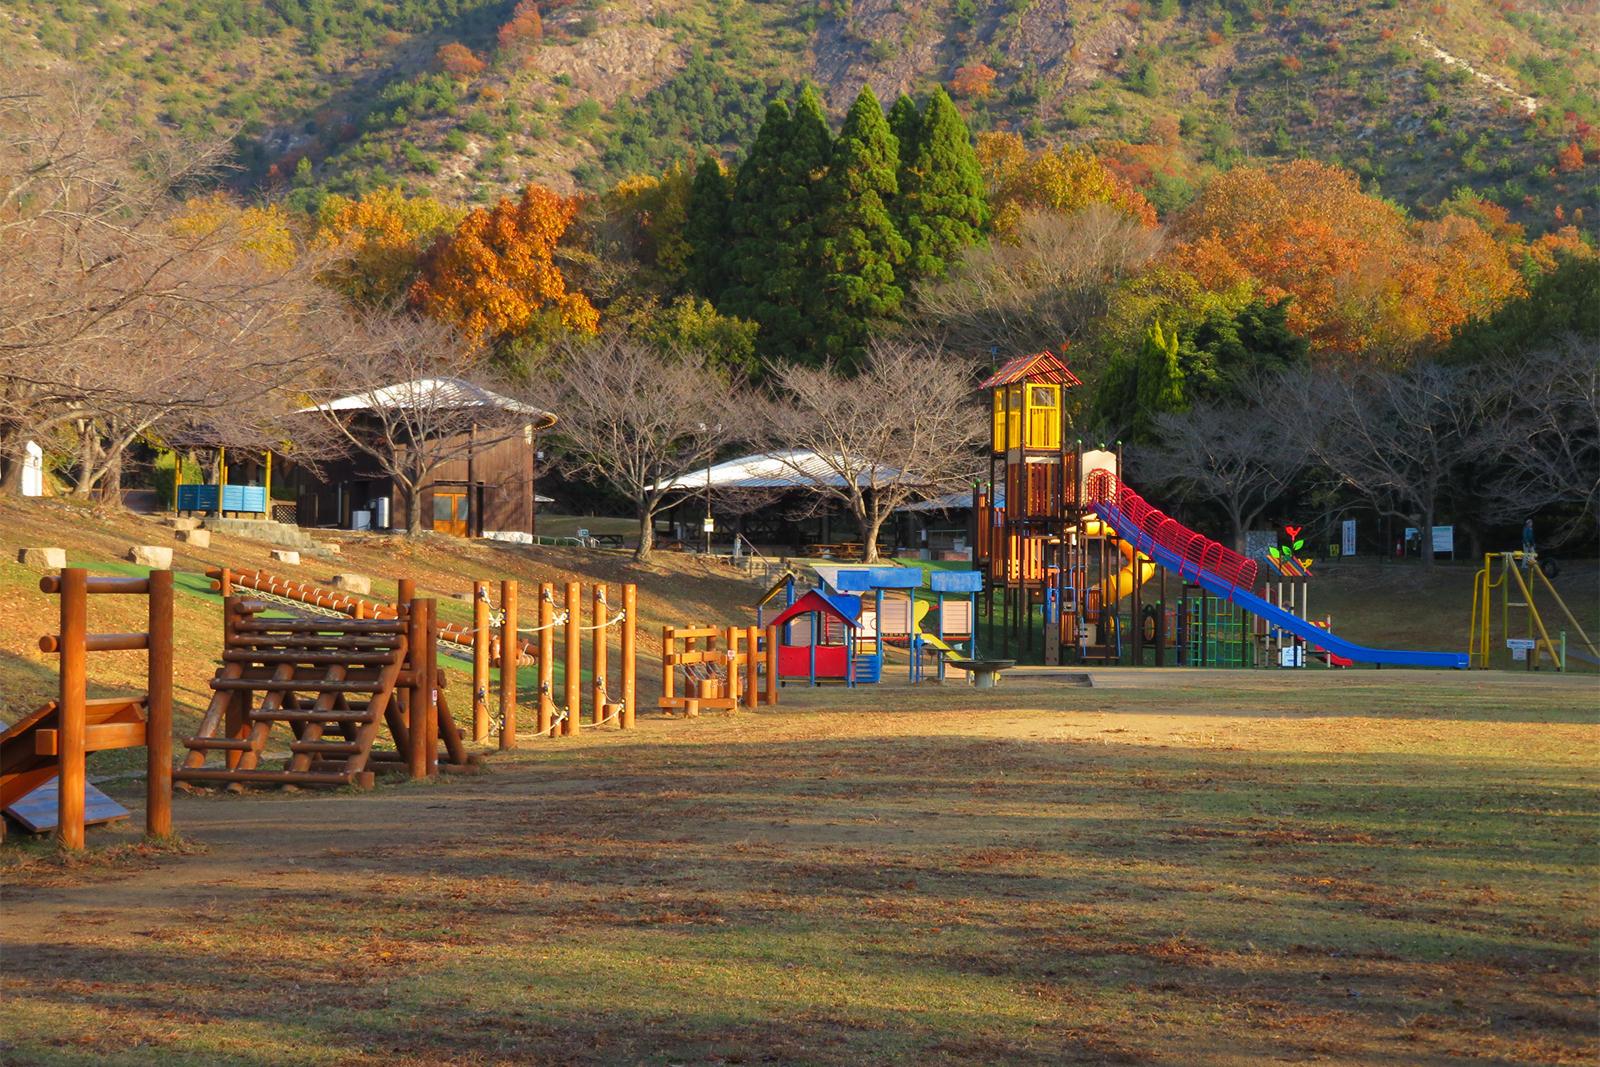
[
  {"x": 647, "y": 535},
  {"x": 413, "y": 510},
  {"x": 1425, "y": 533}
]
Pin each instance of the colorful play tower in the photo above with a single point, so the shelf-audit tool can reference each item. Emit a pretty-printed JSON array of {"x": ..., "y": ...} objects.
[{"x": 1061, "y": 541}]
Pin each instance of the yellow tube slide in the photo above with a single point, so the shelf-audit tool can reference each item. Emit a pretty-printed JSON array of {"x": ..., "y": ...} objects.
[{"x": 1124, "y": 582}]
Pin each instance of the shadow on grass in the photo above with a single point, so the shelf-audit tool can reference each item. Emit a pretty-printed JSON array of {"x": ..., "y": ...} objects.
[{"x": 915, "y": 899}]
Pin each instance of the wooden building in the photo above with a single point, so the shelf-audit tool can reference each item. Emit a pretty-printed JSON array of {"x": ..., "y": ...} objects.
[{"x": 484, "y": 487}]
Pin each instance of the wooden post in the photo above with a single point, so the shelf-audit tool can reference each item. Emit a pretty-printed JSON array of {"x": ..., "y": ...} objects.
[
  {"x": 668, "y": 684},
  {"x": 574, "y": 686},
  {"x": 508, "y": 665},
  {"x": 480, "y": 661},
  {"x": 752, "y": 683},
  {"x": 407, "y": 591},
  {"x": 730, "y": 684},
  {"x": 267, "y": 482},
  {"x": 597, "y": 658},
  {"x": 430, "y": 696},
  {"x": 158, "y": 709},
  {"x": 547, "y": 656},
  {"x": 416, "y": 637},
  {"x": 630, "y": 609},
  {"x": 70, "y": 707}
]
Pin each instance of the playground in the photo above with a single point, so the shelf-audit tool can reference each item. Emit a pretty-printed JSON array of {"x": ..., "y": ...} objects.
[{"x": 1170, "y": 865}]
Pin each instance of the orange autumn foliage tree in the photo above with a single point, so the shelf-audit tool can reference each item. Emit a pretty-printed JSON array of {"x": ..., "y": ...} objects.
[
  {"x": 1060, "y": 182},
  {"x": 458, "y": 60},
  {"x": 496, "y": 277},
  {"x": 974, "y": 82},
  {"x": 524, "y": 28},
  {"x": 1364, "y": 279}
]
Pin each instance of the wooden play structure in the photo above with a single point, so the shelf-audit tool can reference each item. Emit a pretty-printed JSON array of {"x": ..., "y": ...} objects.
[
  {"x": 335, "y": 684},
  {"x": 496, "y": 639},
  {"x": 53, "y": 741},
  {"x": 743, "y": 672},
  {"x": 1519, "y": 584}
]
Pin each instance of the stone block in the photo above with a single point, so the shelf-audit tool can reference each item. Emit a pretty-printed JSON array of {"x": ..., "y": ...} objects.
[
  {"x": 353, "y": 583},
  {"x": 194, "y": 538},
  {"x": 184, "y": 522},
  {"x": 156, "y": 557},
  {"x": 50, "y": 559},
  {"x": 285, "y": 555},
  {"x": 332, "y": 548}
]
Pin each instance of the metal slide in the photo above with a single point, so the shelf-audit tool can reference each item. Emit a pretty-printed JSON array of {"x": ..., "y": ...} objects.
[{"x": 1309, "y": 632}]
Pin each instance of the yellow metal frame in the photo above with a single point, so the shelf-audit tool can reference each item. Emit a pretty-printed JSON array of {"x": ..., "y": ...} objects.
[{"x": 1480, "y": 632}]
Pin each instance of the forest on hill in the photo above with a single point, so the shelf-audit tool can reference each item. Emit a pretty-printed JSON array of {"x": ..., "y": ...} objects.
[
  {"x": 471, "y": 99},
  {"x": 713, "y": 255}
]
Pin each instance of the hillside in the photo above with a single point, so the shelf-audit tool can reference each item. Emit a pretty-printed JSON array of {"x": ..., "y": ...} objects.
[{"x": 1417, "y": 99}]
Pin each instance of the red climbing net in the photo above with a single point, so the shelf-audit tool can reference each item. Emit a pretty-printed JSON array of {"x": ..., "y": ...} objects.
[{"x": 1196, "y": 550}]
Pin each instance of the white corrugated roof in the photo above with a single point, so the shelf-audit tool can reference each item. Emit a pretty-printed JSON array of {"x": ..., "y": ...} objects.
[
  {"x": 782, "y": 469},
  {"x": 452, "y": 393}
]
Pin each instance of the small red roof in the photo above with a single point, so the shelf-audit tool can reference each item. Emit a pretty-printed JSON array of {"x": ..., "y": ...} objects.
[{"x": 1040, "y": 367}]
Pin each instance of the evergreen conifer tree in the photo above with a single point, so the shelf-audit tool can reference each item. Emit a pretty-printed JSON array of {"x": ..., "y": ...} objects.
[
  {"x": 906, "y": 125},
  {"x": 1160, "y": 380},
  {"x": 772, "y": 275},
  {"x": 941, "y": 206},
  {"x": 857, "y": 246},
  {"x": 706, "y": 230}
]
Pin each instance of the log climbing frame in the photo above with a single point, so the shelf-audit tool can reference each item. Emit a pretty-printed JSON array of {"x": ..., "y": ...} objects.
[{"x": 335, "y": 684}]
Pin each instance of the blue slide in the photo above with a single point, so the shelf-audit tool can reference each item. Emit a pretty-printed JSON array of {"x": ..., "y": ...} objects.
[{"x": 1312, "y": 635}]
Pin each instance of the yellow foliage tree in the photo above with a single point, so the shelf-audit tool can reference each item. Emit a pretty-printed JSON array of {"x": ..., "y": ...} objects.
[
  {"x": 262, "y": 232},
  {"x": 496, "y": 277},
  {"x": 1062, "y": 181},
  {"x": 377, "y": 242}
]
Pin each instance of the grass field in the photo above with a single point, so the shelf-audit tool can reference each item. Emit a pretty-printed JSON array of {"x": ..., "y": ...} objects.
[{"x": 1176, "y": 867}]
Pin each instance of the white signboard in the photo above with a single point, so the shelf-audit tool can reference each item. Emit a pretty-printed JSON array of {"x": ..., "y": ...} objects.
[
  {"x": 1520, "y": 646},
  {"x": 1444, "y": 538},
  {"x": 1347, "y": 540}
]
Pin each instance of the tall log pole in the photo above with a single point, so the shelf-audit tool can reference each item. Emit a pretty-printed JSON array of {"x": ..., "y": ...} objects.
[
  {"x": 630, "y": 609},
  {"x": 480, "y": 661},
  {"x": 508, "y": 665},
  {"x": 574, "y": 680},
  {"x": 158, "y": 709},
  {"x": 547, "y": 656},
  {"x": 70, "y": 707}
]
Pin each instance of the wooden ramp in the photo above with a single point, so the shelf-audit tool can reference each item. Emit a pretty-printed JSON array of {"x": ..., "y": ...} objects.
[
  {"x": 335, "y": 686},
  {"x": 30, "y": 748}
]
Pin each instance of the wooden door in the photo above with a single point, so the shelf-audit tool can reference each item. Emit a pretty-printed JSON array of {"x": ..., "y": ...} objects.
[{"x": 450, "y": 512}]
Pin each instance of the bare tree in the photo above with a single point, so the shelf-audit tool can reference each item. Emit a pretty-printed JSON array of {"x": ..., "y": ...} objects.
[
  {"x": 1543, "y": 440},
  {"x": 1229, "y": 455},
  {"x": 117, "y": 320},
  {"x": 410, "y": 398},
  {"x": 637, "y": 418},
  {"x": 1395, "y": 437},
  {"x": 1048, "y": 287},
  {"x": 905, "y": 428}
]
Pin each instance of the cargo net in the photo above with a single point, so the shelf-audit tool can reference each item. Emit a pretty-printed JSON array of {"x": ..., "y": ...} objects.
[{"x": 1195, "y": 550}]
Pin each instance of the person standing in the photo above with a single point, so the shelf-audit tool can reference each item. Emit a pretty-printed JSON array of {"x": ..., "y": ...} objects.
[{"x": 1528, "y": 552}]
